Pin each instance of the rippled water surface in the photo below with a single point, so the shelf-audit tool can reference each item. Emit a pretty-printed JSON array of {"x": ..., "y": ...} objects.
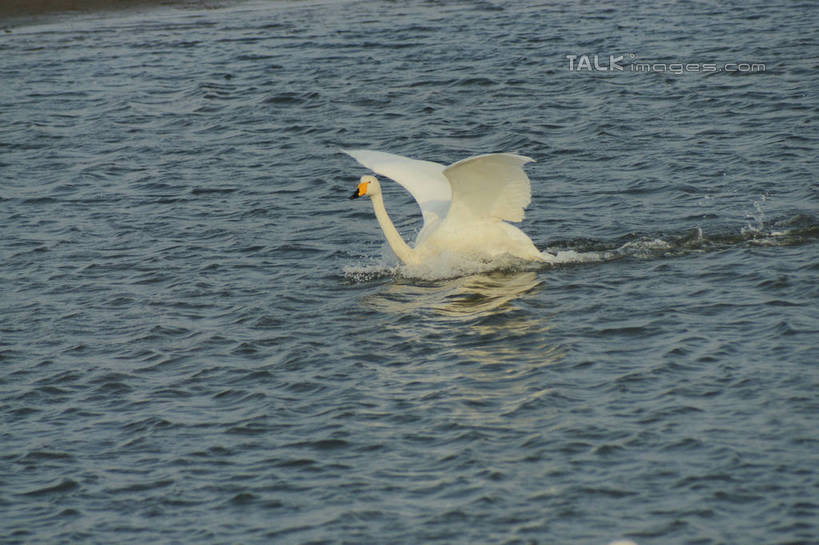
[{"x": 202, "y": 343}]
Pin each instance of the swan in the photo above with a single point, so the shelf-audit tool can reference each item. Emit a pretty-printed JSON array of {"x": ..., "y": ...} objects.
[{"x": 465, "y": 206}]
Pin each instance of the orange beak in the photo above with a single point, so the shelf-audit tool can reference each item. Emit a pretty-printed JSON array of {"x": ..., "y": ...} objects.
[{"x": 360, "y": 191}]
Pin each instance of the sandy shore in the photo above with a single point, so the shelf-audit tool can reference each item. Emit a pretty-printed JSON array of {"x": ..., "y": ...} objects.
[{"x": 33, "y": 8}]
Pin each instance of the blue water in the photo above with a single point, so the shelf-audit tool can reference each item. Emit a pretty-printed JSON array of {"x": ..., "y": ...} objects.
[{"x": 202, "y": 341}]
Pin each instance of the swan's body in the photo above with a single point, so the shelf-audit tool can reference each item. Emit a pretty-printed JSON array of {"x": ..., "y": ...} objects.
[{"x": 466, "y": 205}]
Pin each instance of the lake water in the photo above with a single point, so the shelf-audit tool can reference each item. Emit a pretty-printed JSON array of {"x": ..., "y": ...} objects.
[{"x": 202, "y": 343}]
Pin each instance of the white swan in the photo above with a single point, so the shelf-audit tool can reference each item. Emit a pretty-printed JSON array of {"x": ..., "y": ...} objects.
[{"x": 465, "y": 205}]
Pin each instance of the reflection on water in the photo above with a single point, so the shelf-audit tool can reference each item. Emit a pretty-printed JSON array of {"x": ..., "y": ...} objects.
[
  {"x": 485, "y": 349},
  {"x": 475, "y": 317},
  {"x": 466, "y": 297}
]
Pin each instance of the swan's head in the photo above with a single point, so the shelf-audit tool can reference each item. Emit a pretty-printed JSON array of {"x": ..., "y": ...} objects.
[{"x": 368, "y": 185}]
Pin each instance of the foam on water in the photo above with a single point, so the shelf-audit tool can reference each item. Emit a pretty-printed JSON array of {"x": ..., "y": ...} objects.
[
  {"x": 762, "y": 231},
  {"x": 452, "y": 266},
  {"x": 443, "y": 268},
  {"x": 794, "y": 230}
]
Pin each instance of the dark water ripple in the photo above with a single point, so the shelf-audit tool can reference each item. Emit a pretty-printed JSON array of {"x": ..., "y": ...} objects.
[{"x": 200, "y": 342}]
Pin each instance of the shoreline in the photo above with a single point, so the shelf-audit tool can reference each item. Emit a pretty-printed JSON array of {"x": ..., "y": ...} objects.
[{"x": 28, "y": 9}]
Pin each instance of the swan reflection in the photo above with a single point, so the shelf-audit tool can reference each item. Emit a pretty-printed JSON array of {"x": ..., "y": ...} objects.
[
  {"x": 464, "y": 297},
  {"x": 474, "y": 349},
  {"x": 477, "y": 317}
]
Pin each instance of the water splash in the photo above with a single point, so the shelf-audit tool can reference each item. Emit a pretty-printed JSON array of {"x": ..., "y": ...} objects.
[
  {"x": 448, "y": 266},
  {"x": 756, "y": 227},
  {"x": 442, "y": 267},
  {"x": 793, "y": 230},
  {"x": 371, "y": 270}
]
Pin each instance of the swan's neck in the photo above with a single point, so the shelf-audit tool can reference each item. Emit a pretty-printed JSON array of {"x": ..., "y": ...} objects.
[{"x": 406, "y": 254}]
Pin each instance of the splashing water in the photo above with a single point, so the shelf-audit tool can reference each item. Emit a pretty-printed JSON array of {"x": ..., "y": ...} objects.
[
  {"x": 448, "y": 266},
  {"x": 758, "y": 217},
  {"x": 444, "y": 266},
  {"x": 763, "y": 231}
]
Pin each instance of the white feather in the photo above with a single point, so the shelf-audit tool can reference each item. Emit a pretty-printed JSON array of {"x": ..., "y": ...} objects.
[{"x": 465, "y": 205}]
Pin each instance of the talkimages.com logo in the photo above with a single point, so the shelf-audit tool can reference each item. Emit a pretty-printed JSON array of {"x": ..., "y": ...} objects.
[{"x": 629, "y": 63}]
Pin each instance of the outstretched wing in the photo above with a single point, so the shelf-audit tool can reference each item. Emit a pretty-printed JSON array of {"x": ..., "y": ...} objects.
[
  {"x": 490, "y": 186},
  {"x": 425, "y": 180}
]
